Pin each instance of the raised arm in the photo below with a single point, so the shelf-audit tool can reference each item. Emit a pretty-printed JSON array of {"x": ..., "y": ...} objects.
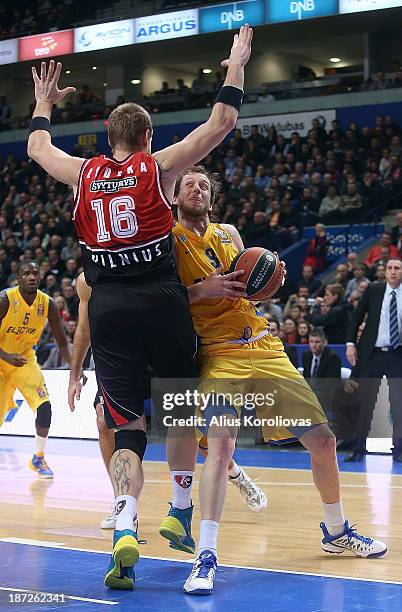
[
  {"x": 81, "y": 342},
  {"x": 56, "y": 162},
  {"x": 207, "y": 136}
]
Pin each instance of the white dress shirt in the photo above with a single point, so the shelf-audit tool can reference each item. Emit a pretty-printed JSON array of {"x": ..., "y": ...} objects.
[{"x": 383, "y": 338}]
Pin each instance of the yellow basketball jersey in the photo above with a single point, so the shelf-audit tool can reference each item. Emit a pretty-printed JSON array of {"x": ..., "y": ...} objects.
[
  {"x": 22, "y": 326},
  {"x": 215, "y": 320}
]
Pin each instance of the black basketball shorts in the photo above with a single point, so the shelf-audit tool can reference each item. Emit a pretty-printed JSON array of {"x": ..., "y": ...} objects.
[{"x": 134, "y": 328}]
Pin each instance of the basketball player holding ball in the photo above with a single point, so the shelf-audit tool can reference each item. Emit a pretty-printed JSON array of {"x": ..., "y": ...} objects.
[{"x": 236, "y": 345}]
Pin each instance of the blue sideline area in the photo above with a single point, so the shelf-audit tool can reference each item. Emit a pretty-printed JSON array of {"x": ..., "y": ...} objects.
[
  {"x": 159, "y": 586},
  {"x": 279, "y": 458}
]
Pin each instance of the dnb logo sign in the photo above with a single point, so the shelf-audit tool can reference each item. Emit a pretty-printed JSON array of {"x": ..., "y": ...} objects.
[
  {"x": 231, "y": 16},
  {"x": 296, "y": 10}
]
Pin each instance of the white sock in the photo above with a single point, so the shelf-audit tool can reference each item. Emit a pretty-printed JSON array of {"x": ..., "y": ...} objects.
[
  {"x": 208, "y": 537},
  {"x": 334, "y": 518},
  {"x": 40, "y": 444},
  {"x": 182, "y": 483},
  {"x": 125, "y": 509},
  {"x": 234, "y": 471}
]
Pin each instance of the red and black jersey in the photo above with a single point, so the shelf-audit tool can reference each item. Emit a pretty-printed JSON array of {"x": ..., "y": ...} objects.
[{"x": 123, "y": 220}]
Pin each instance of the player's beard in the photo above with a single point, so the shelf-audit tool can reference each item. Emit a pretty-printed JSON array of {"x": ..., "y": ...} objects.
[{"x": 194, "y": 210}]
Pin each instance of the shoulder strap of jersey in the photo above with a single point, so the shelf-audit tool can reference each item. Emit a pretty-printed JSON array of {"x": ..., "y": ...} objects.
[{"x": 78, "y": 194}]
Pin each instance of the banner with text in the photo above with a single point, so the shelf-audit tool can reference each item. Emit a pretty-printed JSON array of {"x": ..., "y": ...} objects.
[
  {"x": 360, "y": 6},
  {"x": 166, "y": 26},
  {"x": 46, "y": 45},
  {"x": 9, "y": 51},
  {"x": 230, "y": 16},
  {"x": 286, "y": 124},
  {"x": 104, "y": 36}
]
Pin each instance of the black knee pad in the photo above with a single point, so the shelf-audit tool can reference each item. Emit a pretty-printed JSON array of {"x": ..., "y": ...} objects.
[
  {"x": 44, "y": 415},
  {"x": 132, "y": 439}
]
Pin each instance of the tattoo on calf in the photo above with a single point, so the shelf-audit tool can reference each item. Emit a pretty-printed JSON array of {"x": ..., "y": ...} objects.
[{"x": 121, "y": 466}]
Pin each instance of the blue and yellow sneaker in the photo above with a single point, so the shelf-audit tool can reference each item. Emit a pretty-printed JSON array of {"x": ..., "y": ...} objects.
[
  {"x": 349, "y": 539},
  {"x": 125, "y": 554},
  {"x": 39, "y": 465},
  {"x": 176, "y": 527}
]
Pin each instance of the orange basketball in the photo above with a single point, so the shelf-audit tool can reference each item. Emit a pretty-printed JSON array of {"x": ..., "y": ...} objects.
[{"x": 263, "y": 273}]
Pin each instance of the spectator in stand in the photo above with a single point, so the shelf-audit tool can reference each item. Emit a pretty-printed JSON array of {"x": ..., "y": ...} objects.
[
  {"x": 257, "y": 137},
  {"x": 182, "y": 89},
  {"x": 289, "y": 334},
  {"x": 379, "y": 274},
  {"x": 396, "y": 234},
  {"x": 322, "y": 368},
  {"x": 63, "y": 308},
  {"x": 72, "y": 300},
  {"x": 290, "y": 351},
  {"x": 310, "y": 281},
  {"x": 331, "y": 314},
  {"x": 5, "y": 113},
  {"x": 268, "y": 307},
  {"x": 393, "y": 174},
  {"x": 342, "y": 275},
  {"x": 375, "y": 253},
  {"x": 359, "y": 274},
  {"x": 352, "y": 260},
  {"x": 351, "y": 203},
  {"x": 264, "y": 96},
  {"x": 330, "y": 206},
  {"x": 317, "y": 249},
  {"x": 303, "y": 332}
]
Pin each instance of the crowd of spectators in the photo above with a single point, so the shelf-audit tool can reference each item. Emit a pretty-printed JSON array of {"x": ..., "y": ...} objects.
[
  {"x": 271, "y": 189},
  {"x": 25, "y": 18}
]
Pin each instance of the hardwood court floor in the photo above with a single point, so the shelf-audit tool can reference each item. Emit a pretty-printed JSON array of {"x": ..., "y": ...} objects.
[{"x": 286, "y": 537}]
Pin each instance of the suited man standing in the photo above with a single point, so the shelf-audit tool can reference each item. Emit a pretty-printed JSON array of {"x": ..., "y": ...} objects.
[
  {"x": 322, "y": 369},
  {"x": 378, "y": 353}
]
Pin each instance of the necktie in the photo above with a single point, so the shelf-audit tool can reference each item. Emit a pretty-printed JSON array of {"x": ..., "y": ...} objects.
[
  {"x": 393, "y": 321},
  {"x": 314, "y": 371}
]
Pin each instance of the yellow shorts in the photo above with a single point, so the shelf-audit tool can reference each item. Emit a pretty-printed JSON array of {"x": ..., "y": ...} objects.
[
  {"x": 261, "y": 377},
  {"x": 28, "y": 380}
]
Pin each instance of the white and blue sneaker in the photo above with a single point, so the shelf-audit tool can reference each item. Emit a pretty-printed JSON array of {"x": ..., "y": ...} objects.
[
  {"x": 255, "y": 497},
  {"x": 201, "y": 579},
  {"x": 349, "y": 539}
]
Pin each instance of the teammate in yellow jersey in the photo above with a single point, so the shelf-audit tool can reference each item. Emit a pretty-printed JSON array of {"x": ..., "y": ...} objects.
[
  {"x": 236, "y": 345},
  {"x": 24, "y": 311},
  {"x": 254, "y": 497}
]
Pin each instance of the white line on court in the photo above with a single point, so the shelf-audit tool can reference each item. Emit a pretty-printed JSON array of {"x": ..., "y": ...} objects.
[
  {"x": 246, "y": 567},
  {"x": 294, "y": 469},
  {"x": 100, "y": 601},
  {"x": 296, "y": 484}
]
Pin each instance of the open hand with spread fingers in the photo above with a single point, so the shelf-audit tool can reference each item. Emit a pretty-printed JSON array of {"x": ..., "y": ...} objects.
[{"x": 47, "y": 85}]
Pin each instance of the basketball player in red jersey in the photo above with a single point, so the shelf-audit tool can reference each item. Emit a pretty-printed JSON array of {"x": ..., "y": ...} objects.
[{"x": 138, "y": 312}]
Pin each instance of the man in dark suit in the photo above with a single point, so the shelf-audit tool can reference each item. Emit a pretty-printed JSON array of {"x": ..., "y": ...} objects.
[
  {"x": 378, "y": 353},
  {"x": 322, "y": 369}
]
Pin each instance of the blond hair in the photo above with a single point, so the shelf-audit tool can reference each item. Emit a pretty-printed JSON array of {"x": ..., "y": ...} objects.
[{"x": 126, "y": 124}]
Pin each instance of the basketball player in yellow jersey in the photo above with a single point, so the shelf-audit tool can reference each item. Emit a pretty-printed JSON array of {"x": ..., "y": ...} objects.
[
  {"x": 236, "y": 344},
  {"x": 24, "y": 311}
]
